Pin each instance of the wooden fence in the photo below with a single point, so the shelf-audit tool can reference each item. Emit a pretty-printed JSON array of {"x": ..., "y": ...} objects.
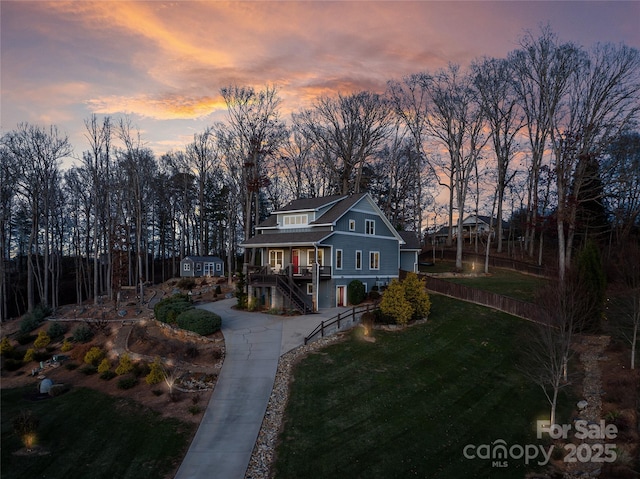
[
  {"x": 515, "y": 307},
  {"x": 341, "y": 320}
]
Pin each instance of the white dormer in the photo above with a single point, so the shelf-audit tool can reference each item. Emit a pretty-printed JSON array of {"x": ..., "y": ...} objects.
[{"x": 295, "y": 220}]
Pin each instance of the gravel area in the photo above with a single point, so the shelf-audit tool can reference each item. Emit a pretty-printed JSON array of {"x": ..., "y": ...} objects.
[
  {"x": 263, "y": 454},
  {"x": 591, "y": 352}
]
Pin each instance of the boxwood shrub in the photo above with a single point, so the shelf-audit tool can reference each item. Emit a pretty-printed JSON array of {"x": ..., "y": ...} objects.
[
  {"x": 356, "y": 292},
  {"x": 199, "y": 321},
  {"x": 167, "y": 310}
]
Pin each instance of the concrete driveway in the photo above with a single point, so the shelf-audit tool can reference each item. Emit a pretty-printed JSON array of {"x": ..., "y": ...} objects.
[{"x": 222, "y": 446}]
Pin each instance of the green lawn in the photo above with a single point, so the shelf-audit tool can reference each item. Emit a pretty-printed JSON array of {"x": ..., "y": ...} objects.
[
  {"x": 501, "y": 281},
  {"x": 92, "y": 435},
  {"x": 408, "y": 404},
  {"x": 505, "y": 282}
]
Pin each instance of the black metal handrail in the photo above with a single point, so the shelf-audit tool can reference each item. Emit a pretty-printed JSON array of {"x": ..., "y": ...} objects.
[
  {"x": 343, "y": 316},
  {"x": 295, "y": 294}
]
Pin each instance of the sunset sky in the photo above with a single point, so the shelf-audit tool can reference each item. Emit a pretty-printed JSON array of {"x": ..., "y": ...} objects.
[{"x": 164, "y": 62}]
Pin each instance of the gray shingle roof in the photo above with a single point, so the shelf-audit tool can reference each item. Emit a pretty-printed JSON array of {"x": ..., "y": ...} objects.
[
  {"x": 310, "y": 203},
  {"x": 287, "y": 239},
  {"x": 200, "y": 259},
  {"x": 411, "y": 240},
  {"x": 337, "y": 210}
]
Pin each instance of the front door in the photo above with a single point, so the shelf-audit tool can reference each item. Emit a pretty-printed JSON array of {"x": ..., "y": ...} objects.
[
  {"x": 295, "y": 259},
  {"x": 340, "y": 295}
]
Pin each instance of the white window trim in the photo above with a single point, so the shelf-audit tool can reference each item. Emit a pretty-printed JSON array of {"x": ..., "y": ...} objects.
[
  {"x": 369, "y": 225},
  {"x": 352, "y": 225},
  {"x": 310, "y": 289},
  {"x": 311, "y": 257},
  {"x": 186, "y": 267},
  {"x": 276, "y": 266},
  {"x": 372, "y": 254},
  {"x": 358, "y": 253},
  {"x": 339, "y": 264},
  {"x": 293, "y": 221}
]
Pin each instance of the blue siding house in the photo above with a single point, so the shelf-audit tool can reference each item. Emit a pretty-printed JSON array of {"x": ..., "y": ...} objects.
[
  {"x": 198, "y": 266},
  {"x": 311, "y": 249}
]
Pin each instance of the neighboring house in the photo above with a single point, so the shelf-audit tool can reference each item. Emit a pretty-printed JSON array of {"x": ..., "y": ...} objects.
[
  {"x": 471, "y": 225},
  {"x": 197, "y": 266},
  {"x": 409, "y": 251},
  {"x": 311, "y": 249}
]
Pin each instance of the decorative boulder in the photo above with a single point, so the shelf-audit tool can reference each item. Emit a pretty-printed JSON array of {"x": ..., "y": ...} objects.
[
  {"x": 582, "y": 404},
  {"x": 45, "y": 386}
]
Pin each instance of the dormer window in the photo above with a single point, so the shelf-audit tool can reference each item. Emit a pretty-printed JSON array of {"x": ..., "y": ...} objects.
[{"x": 295, "y": 220}]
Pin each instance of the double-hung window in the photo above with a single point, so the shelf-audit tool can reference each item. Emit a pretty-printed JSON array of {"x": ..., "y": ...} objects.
[
  {"x": 338, "y": 259},
  {"x": 358, "y": 259},
  {"x": 374, "y": 260},
  {"x": 370, "y": 227}
]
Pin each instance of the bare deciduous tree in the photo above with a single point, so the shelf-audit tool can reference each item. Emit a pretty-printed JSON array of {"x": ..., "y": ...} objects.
[
  {"x": 457, "y": 121},
  {"x": 492, "y": 79},
  {"x": 254, "y": 123},
  {"x": 542, "y": 70},
  {"x": 348, "y": 130},
  {"x": 38, "y": 151}
]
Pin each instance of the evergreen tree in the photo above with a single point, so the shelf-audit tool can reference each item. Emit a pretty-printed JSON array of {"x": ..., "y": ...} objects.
[
  {"x": 395, "y": 305},
  {"x": 415, "y": 293},
  {"x": 593, "y": 284}
]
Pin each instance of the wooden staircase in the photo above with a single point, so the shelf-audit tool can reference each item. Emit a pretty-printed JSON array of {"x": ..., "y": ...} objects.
[{"x": 296, "y": 297}]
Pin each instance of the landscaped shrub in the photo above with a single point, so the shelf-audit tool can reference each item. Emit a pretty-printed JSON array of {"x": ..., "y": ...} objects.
[
  {"x": 127, "y": 382},
  {"x": 6, "y": 347},
  {"x": 94, "y": 356},
  {"x": 125, "y": 365},
  {"x": 395, "y": 304},
  {"x": 12, "y": 364},
  {"x": 89, "y": 369},
  {"x": 28, "y": 323},
  {"x": 381, "y": 318},
  {"x": 25, "y": 338},
  {"x": 186, "y": 283},
  {"x": 32, "y": 320},
  {"x": 30, "y": 355},
  {"x": 374, "y": 295},
  {"x": 199, "y": 321},
  {"x": 356, "y": 292},
  {"x": 58, "y": 389},
  {"x": 56, "y": 330},
  {"x": 241, "y": 292},
  {"x": 156, "y": 373},
  {"x": 82, "y": 334},
  {"x": 66, "y": 346},
  {"x": 218, "y": 289},
  {"x": 140, "y": 369},
  {"x": 167, "y": 310},
  {"x": 107, "y": 375},
  {"x": 42, "y": 340},
  {"x": 104, "y": 366},
  {"x": 415, "y": 291}
]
